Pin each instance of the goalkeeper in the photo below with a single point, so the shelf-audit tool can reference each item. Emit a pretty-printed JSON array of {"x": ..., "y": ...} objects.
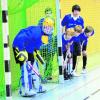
[{"x": 25, "y": 43}]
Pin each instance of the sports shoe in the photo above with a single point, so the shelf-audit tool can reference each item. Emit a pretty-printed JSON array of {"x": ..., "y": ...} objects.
[
  {"x": 75, "y": 74},
  {"x": 66, "y": 78},
  {"x": 49, "y": 78},
  {"x": 29, "y": 93},
  {"x": 84, "y": 71}
]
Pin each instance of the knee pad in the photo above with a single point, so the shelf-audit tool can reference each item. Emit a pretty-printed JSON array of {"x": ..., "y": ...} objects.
[
  {"x": 35, "y": 77},
  {"x": 26, "y": 77}
]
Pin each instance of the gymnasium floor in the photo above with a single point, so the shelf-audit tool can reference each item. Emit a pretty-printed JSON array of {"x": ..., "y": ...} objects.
[{"x": 84, "y": 87}]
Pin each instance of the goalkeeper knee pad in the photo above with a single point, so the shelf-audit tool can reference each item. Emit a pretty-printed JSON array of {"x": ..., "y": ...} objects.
[{"x": 22, "y": 56}]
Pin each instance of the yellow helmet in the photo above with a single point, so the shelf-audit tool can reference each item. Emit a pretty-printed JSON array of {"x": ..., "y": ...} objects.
[
  {"x": 48, "y": 25},
  {"x": 48, "y": 22}
]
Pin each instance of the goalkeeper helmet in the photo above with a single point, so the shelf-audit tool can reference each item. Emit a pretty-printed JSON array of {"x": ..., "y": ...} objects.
[{"x": 48, "y": 25}]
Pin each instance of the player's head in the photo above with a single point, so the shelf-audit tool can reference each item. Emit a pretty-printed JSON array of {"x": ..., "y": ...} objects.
[
  {"x": 78, "y": 29},
  {"x": 88, "y": 31},
  {"x": 48, "y": 12},
  {"x": 48, "y": 25},
  {"x": 76, "y": 10},
  {"x": 47, "y": 28},
  {"x": 69, "y": 32}
]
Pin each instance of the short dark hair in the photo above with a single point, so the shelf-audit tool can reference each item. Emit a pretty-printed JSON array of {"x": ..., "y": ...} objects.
[
  {"x": 76, "y": 7},
  {"x": 48, "y": 9}
]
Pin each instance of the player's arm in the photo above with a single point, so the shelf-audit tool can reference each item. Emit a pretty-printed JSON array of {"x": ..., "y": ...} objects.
[
  {"x": 39, "y": 57},
  {"x": 92, "y": 33},
  {"x": 84, "y": 45},
  {"x": 82, "y": 23},
  {"x": 63, "y": 23},
  {"x": 63, "y": 29}
]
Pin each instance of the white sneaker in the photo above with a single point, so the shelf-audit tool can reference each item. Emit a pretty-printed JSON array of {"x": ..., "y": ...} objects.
[
  {"x": 24, "y": 93},
  {"x": 84, "y": 71},
  {"x": 75, "y": 74}
]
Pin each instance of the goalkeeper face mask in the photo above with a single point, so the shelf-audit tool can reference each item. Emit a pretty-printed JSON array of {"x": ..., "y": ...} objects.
[
  {"x": 48, "y": 26},
  {"x": 47, "y": 29}
]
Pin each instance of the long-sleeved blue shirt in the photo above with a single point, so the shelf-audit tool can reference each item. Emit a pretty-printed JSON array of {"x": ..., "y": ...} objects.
[
  {"x": 69, "y": 22},
  {"x": 82, "y": 39},
  {"x": 29, "y": 39},
  {"x": 65, "y": 42}
]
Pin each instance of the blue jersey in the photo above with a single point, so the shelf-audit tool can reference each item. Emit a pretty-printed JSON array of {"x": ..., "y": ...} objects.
[
  {"x": 82, "y": 39},
  {"x": 69, "y": 22},
  {"x": 76, "y": 41},
  {"x": 65, "y": 42},
  {"x": 29, "y": 39}
]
